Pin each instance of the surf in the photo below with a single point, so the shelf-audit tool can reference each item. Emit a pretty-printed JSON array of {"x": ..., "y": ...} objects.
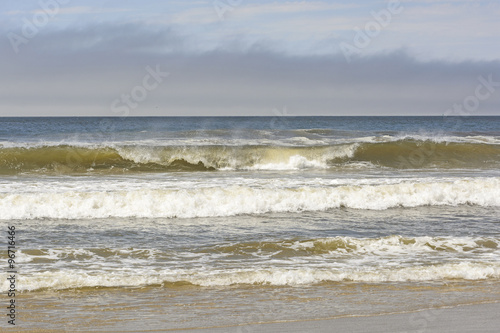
[
  {"x": 115, "y": 159},
  {"x": 230, "y": 200}
]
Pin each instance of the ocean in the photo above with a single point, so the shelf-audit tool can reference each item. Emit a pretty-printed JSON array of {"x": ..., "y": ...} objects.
[{"x": 182, "y": 222}]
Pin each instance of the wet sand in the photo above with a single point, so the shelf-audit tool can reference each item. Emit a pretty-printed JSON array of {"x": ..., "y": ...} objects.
[{"x": 465, "y": 318}]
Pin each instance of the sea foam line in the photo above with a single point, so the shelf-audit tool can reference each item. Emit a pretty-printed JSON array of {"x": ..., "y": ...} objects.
[
  {"x": 235, "y": 200},
  {"x": 68, "y": 279}
]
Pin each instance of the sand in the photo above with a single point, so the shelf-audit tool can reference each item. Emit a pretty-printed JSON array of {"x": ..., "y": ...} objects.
[{"x": 465, "y": 318}]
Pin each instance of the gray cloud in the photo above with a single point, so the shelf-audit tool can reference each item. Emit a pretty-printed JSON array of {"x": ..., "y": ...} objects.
[{"x": 82, "y": 71}]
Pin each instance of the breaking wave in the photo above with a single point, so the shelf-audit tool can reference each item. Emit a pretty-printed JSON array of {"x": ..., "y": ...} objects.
[
  {"x": 271, "y": 276},
  {"x": 336, "y": 259},
  {"x": 404, "y": 153},
  {"x": 244, "y": 199}
]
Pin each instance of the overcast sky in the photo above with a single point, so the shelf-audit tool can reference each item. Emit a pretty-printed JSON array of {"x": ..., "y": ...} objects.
[{"x": 242, "y": 57}]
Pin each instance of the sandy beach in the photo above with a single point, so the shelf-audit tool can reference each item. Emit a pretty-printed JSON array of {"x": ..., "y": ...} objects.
[{"x": 465, "y": 318}]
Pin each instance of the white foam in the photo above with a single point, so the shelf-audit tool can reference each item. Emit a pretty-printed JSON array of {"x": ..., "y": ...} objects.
[
  {"x": 443, "y": 138},
  {"x": 295, "y": 162},
  {"x": 397, "y": 245},
  {"x": 243, "y": 157},
  {"x": 387, "y": 259},
  {"x": 262, "y": 139},
  {"x": 277, "y": 276},
  {"x": 64, "y": 279},
  {"x": 244, "y": 199}
]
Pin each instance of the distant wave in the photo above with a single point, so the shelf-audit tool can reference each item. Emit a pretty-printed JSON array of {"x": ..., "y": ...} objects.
[
  {"x": 244, "y": 199},
  {"x": 400, "y": 154}
]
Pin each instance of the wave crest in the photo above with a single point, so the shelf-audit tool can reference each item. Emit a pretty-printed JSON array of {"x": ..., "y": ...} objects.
[{"x": 406, "y": 153}]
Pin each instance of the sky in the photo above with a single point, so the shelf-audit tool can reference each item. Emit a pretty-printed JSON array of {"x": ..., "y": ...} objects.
[{"x": 249, "y": 58}]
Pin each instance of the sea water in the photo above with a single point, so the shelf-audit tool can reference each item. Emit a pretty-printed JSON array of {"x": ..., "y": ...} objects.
[{"x": 178, "y": 222}]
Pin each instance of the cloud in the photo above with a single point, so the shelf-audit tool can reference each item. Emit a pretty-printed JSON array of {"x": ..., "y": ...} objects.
[
  {"x": 14, "y": 12},
  {"x": 101, "y": 38},
  {"x": 204, "y": 13},
  {"x": 78, "y": 10},
  {"x": 292, "y": 7},
  {"x": 82, "y": 71},
  {"x": 457, "y": 30}
]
